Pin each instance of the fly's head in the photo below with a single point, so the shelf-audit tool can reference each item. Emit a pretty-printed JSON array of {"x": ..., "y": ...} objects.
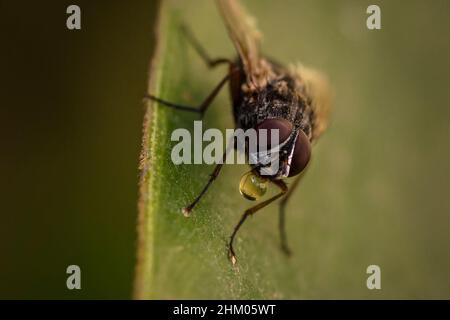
[
  {"x": 282, "y": 104},
  {"x": 286, "y": 157}
]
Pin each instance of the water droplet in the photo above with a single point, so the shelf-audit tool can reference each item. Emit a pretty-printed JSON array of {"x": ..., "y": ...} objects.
[{"x": 252, "y": 186}]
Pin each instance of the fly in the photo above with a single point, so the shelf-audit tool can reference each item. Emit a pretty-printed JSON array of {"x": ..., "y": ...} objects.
[{"x": 294, "y": 100}]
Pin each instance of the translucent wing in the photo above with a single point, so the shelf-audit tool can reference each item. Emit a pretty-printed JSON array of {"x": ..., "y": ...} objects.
[
  {"x": 244, "y": 34},
  {"x": 317, "y": 88}
]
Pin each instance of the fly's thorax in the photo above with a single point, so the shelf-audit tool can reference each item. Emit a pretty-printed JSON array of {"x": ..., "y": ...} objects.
[{"x": 279, "y": 99}]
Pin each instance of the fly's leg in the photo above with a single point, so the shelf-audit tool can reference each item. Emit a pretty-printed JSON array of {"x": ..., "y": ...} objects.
[
  {"x": 282, "y": 214},
  {"x": 211, "y": 63},
  {"x": 283, "y": 187},
  {"x": 201, "y": 108},
  {"x": 187, "y": 210}
]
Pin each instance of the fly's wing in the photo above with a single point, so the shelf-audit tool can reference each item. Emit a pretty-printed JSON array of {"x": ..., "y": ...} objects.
[
  {"x": 317, "y": 88},
  {"x": 244, "y": 34}
]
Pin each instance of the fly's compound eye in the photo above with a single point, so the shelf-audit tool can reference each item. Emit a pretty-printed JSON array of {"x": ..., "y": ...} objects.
[
  {"x": 301, "y": 155},
  {"x": 252, "y": 186},
  {"x": 284, "y": 131}
]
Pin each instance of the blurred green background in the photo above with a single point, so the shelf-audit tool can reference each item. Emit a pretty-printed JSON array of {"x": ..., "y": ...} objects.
[{"x": 376, "y": 192}]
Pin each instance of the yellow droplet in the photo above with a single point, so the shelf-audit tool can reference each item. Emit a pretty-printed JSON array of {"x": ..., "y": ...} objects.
[{"x": 252, "y": 186}]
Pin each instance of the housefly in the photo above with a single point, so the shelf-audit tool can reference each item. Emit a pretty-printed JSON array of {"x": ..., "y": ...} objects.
[{"x": 294, "y": 100}]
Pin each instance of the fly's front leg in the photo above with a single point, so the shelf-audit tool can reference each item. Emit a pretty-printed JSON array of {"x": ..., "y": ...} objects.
[
  {"x": 187, "y": 210},
  {"x": 283, "y": 187}
]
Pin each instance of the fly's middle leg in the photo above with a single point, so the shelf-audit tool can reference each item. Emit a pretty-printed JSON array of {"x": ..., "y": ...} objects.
[{"x": 201, "y": 109}]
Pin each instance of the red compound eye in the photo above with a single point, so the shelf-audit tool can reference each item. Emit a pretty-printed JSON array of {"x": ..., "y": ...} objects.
[
  {"x": 284, "y": 129},
  {"x": 301, "y": 155}
]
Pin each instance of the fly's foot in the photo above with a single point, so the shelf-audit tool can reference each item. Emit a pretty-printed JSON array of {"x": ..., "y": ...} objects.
[
  {"x": 232, "y": 255},
  {"x": 286, "y": 250},
  {"x": 186, "y": 212}
]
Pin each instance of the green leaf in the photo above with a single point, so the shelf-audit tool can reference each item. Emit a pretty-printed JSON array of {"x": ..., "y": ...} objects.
[
  {"x": 350, "y": 210},
  {"x": 187, "y": 257}
]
